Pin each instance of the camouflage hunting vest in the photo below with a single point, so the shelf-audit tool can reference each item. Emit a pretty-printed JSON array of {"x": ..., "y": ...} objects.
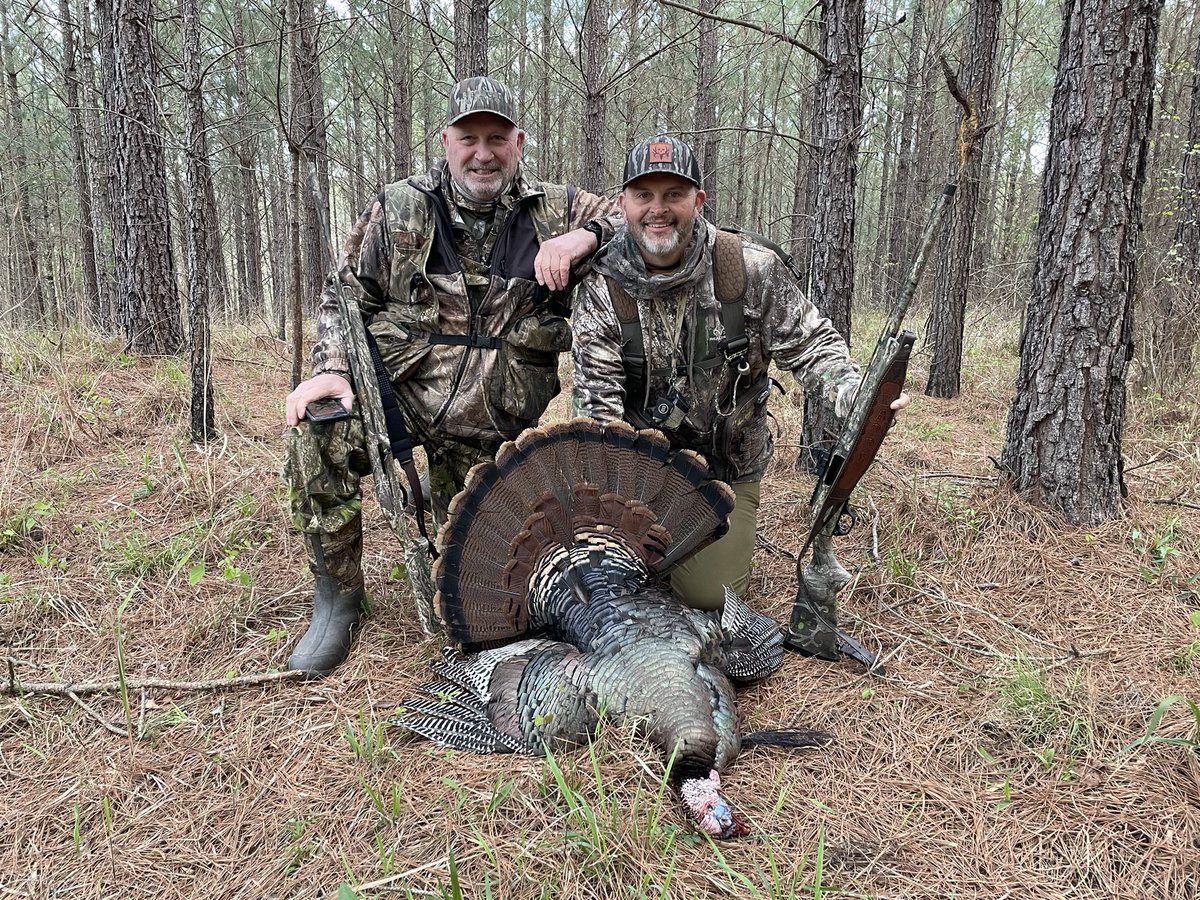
[{"x": 471, "y": 375}]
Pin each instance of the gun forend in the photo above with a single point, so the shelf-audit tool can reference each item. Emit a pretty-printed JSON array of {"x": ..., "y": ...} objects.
[{"x": 878, "y": 417}]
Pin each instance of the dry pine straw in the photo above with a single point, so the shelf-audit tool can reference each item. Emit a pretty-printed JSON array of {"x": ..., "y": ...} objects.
[{"x": 1022, "y": 656}]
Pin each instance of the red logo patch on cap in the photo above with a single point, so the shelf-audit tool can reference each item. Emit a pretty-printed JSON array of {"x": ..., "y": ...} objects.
[{"x": 661, "y": 152}]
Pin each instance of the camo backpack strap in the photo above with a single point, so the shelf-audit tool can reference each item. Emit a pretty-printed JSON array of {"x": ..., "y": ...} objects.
[{"x": 729, "y": 284}]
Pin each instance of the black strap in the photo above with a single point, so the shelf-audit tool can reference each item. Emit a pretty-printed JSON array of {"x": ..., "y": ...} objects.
[
  {"x": 476, "y": 341},
  {"x": 400, "y": 441}
]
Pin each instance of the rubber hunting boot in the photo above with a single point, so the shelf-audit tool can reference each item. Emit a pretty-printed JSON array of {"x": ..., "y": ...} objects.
[{"x": 338, "y": 600}]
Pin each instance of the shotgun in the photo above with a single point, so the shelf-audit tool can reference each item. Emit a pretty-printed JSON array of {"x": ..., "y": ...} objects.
[{"x": 813, "y": 628}]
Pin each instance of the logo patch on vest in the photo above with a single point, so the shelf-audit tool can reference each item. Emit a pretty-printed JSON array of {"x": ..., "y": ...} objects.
[{"x": 661, "y": 152}]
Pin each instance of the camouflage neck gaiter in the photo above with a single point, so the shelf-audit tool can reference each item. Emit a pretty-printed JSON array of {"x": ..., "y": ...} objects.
[{"x": 621, "y": 259}]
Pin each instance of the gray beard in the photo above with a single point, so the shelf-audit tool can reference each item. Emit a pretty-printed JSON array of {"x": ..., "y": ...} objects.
[{"x": 660, "y": 246}]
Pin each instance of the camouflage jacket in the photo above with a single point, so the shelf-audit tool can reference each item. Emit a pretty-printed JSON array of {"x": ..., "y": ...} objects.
[
  {"x": 681, "y": 324},
  {"x": 477, "y": 372}
]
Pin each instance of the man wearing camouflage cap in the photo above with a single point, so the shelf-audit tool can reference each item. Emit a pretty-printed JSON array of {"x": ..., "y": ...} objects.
[
  {"x": 675, "y": 327},
  {"x": 463, "y": 277}
]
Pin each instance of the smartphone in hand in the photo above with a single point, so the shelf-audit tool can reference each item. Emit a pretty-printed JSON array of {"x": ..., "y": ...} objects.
[{"x": 324, "y": 410}]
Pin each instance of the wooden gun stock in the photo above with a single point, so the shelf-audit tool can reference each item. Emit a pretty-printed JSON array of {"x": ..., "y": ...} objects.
[{"x": 864, "y": 431}]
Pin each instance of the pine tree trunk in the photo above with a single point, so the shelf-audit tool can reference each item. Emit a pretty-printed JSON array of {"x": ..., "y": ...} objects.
[
  {"x": 1063, "y": 446},
  {"x": 594, "y": 176},
  {"x": 99, "y": 148},
  {"x": 839, "y": 106},
  {"x": 839, "y": 118},
  {"x": 944, "y": 332},
  {"x": 707, "y": 141},
  {"x": 401, "y": 92},
  {"x": 199, "y": 212},
  {"x": 1183, "y": 311},
  {"x": 470, "y": 38},
  {"x": 30, "y": 294},
  {"x": 83, "y": 178},
  {"x": 902, "y": 234},
  {"x": 147, "y": 295},
  {"x": 308, "y": 130}
]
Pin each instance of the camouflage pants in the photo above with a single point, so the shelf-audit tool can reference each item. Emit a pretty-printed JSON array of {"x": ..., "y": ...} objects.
[
  {"x": 324, "y": 465},
  {"x": 699, "y": 581}
]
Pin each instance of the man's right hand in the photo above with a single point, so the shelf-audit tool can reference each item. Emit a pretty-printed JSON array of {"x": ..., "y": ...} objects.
[{"x": 329, "y": 384}]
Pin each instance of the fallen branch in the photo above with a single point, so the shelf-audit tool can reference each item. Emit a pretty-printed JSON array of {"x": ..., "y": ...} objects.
[
  {"x": 16, "y": 687},
  {"x": 1175, "y": 503}
]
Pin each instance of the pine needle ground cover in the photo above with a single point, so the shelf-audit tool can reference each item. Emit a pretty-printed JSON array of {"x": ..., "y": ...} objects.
[{"x": 1035, "y": 734}]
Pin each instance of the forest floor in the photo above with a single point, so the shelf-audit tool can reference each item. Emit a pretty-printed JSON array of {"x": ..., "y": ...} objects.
[{"x": 1004, "y": 754}]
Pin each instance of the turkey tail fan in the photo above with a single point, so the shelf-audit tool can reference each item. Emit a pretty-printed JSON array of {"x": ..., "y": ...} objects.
[
  {"x": 752, "y": 642},
  {"x": 548, "y": 491},
  {"x": 787, "y": 738},
  {"x": 692, "y": 506}
]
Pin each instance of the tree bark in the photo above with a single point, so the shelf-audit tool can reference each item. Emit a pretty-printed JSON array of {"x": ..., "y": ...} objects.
[
  {"x": 147, "y": 294},
  {"x": 401, "y": 91},
  {"x": 83, "y": 177},
  {"x": 250, "y": 297},
  {"x": 308, "y": 131},
  {"x": 1063, "y": 445},
  {"x": 839, "y": 120},
  {"x": 1183, "y": 293},
  {"x": 30, "y": 294},
  {"x": 470, "y": 38},
  {"x": 839, "y": 108},
  {"x": 594, "y": 37},
  {"x": 199, "y": 212},
  {"x": 944, "y": 331},
  {"x": 707, "y": 138},
  {"x": 902, "y": 234},
  {"x": 99, "y": 148}
]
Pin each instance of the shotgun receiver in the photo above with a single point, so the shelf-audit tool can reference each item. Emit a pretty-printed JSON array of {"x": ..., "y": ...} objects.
[{"x": 813, "y": 628}]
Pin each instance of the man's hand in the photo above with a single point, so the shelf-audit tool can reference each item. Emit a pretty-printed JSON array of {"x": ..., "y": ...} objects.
[
  {"x": 552, "y": 265},
  {"x": 328, "y": 385},
  {"x": 847, "y": 391}
]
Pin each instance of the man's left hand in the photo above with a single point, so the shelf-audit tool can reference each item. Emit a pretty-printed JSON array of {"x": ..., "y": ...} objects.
[{"x": 554, "y": 260}]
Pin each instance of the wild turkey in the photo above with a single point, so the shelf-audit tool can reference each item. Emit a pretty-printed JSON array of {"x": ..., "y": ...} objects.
[{"x": 566, "y": 537}]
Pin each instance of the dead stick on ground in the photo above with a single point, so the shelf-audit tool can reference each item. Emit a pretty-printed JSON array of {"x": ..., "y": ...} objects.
[
  {"x": 16, "y": 687},
  {"x": 1175, "y": 503},
  {"x": 109, "y": 726}
]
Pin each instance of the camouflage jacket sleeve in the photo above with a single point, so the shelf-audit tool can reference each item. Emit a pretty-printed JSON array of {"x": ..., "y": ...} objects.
[
  {"x": 589, "y": 206},
  {"x": 598, "y": 373},
  {"x": 794, "y": 333},
  {"x": 363, "y": 264}
]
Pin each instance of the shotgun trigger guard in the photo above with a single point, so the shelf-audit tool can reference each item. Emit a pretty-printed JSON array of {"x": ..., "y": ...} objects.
[{"x": 846, "y": 520}]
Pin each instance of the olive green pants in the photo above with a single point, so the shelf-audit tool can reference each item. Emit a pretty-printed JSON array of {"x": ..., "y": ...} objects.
[{"x": 700, "y": 581}]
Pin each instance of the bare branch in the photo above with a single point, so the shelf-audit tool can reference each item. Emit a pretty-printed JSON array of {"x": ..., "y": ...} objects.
[{"x": 778, "y": 35}]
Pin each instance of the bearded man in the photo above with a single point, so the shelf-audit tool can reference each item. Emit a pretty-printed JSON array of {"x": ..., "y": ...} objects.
[{"x": 675, "y": 328}]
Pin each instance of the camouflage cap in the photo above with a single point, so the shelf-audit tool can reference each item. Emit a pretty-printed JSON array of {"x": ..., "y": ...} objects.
[
  {"x": 480, "y": 95},
  {"x": 661, "y": 154}
]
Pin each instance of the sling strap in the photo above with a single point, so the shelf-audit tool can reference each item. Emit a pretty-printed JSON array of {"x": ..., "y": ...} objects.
[{"x": 400, "y": 442}]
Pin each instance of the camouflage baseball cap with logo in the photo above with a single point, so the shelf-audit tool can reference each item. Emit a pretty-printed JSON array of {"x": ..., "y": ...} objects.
[
  {"x": 480, "y": 95},
  {"x": 661, "y": 154}
]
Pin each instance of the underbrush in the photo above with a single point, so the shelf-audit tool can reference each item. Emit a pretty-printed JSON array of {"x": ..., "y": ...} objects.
[{"x": 1035, "y": 733}]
